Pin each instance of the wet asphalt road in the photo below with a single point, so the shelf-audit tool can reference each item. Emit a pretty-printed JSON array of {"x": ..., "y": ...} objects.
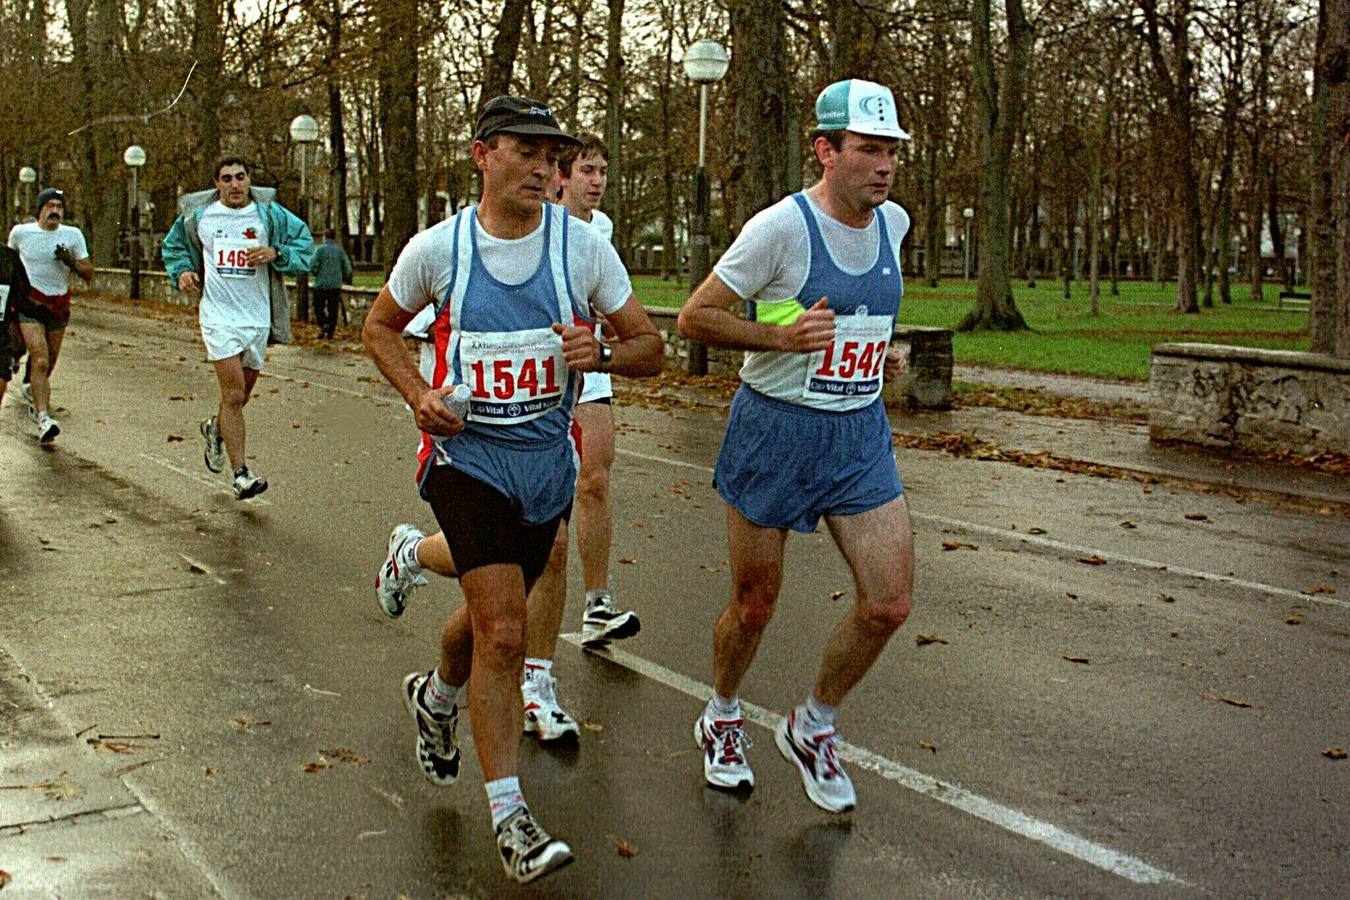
[{"x": 1071, "y": 731}]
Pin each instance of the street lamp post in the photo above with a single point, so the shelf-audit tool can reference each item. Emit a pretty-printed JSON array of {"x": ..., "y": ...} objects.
[
  {"x": 27, "y": 175},
  {"x": 969, "y": 214},
  {"x": 134, "y": 157},
  {"x": 705, "y": 62},
  {"x": 304, "y": 131}
]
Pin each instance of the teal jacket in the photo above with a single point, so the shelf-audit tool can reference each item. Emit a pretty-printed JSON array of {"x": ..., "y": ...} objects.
[
  {"x": 331, "y": 267},
  {"x": 288, "y": 235}
]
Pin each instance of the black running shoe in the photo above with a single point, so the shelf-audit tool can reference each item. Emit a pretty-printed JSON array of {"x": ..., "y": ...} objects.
[{"x": 437, "y": 751}]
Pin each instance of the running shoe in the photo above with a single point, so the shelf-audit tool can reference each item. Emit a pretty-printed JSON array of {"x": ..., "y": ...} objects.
[
  {"x": 48, "y": 428},
  {"x": 394, "y": 583},
  {"x": 723, "y": 742},
  {"x": 26, "y": 391},
  {"x": 437, "y": 751},
  {"x": 604, "y": 622},
  {"x": 214, "y": 454},
  {"x": 528, "y": 852},
  {"x": 543, "y": 715},
  {"x": 825, "y": 781},
  {"x": 246, "y": 484}
]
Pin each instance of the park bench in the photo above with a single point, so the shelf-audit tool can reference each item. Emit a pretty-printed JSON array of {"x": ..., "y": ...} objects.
[{"x": 1296, "y": 299}]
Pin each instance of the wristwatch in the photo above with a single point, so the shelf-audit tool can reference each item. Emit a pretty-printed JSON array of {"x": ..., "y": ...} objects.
[{"x": 606, "y": 356}]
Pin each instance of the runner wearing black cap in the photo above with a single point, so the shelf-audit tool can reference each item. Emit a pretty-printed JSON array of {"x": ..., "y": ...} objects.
[
  {"x": 513, "y": 286},
  {"x": 50, "y": 251}
]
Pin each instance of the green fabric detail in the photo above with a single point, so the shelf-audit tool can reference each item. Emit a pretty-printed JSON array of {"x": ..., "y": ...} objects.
[{"x": 778, "y": 312}]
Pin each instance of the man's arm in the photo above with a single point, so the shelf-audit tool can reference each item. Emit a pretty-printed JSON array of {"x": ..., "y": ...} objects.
[
  {"x": 177, "y": 257},
  {"x": 638, "y": 351},
  {"x": 292, "y": 242},
  {"x": 382, "y": 335},
  {"x": 707, "y": 317}
]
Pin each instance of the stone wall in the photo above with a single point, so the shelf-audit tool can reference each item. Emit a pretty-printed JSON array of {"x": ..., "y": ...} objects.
[
  {"x": 926, "y": 384},
  {"x": 1257, "y": 400}
]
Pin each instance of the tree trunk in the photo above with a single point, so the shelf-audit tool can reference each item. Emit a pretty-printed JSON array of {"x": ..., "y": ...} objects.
[
  {"x": 1336, "y": 62},
  {"x": 207, "y": 49},
  {"x": 668, "y": 207},
  {"x": 398, "y": 24},
  {"x": 339, "y": 217},
  {"x": 502, "y": 63},
  {"x": 846, "y": 21},
  {"x": 759, "y": 85},
  {"x": 1282, "y": 268},
  {"x": 1255, "y": 263},
  {"x": 1330, "y": 66},
  {"x": 615, "y": 70},
  {"x": 999, "y": 114}
]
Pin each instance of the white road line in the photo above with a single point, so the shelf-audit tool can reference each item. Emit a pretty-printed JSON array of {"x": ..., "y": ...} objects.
[
  {"x": 200, "y": 479},
  {"x": 1007, "y": 818},
  {"x": 1064, "y": 547}
]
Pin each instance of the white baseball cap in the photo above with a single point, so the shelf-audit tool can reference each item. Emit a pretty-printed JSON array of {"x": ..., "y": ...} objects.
[{"x": 861, "y": 106}]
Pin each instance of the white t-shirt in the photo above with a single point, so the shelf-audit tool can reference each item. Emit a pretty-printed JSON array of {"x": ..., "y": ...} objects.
[
  {"x": 768, "y": 263},
  {"x": 422, "y": 274},
  {"x": 603, "y": 224},
  {"x": 234, "y": 293},
  {"x": 37, "y": 246}
]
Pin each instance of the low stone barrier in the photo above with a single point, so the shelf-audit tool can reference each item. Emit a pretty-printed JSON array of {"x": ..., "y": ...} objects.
[
  {"x": 1249, "y": 399},
  {"x": 926, "y": 384}
]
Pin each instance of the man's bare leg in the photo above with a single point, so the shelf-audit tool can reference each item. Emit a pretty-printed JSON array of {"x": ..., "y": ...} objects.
[
  {"x": 756, "y": 577},
  {"x": 595, "y": 517},
  {"x": 235, "y": 389},
  {"x": 39, "y": 364}
]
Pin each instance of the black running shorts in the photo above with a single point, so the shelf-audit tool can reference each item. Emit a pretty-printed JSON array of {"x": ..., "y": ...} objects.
[{"x": 483, "y": 527}]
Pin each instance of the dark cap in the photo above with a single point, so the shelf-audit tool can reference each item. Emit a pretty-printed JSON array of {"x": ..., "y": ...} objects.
[
  {"x": 519, "y": 115},
  {"x": 48, "y": 194}
]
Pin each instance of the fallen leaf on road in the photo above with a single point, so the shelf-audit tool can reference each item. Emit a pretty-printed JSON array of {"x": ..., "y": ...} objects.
[
  {"x": 627, "y": 561},
  {"x": 346, "y": 755},
  {"x": 209, "y": 772},
  {"x": 1083, "y": 660},
  {"x": 5, "y": 878},
  {"x": 62, "y": 788},
  {"x": 626, "y": 849},
  {"x": 1071, "y": 595},
  {"x": 591, "y": 726},
  {"x": 175, "y": 439},
  {"x": 181, "y": 397},
  {"x": 1037, "y": 531},
  {"x": 957, "y": 545},
  {"x": 1334, "y": 753},
  {"x": 1215, "y": 698},
  {"x": 1093, "y": 560},
  {"x": 1128, "y": 525},
  {"x": 928, "y": 745},
  {"x": 922, "y": 639},
  {"x": 245, "y": 722},
  {"x": 1197, "y": 517},
  {"x": 1293, "y": 618},
  {"x": 1320, "y": 589},
  {"x": 113, "y": 746},
  {"x": 835, "y": 595},
  {"x": 1167, "y": 598},
  {"x": 320, "y": 764}
]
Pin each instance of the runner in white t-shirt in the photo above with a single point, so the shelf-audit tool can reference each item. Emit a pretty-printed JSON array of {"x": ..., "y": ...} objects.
[
  {"x": 232, "y": 244},
  {"x": 807, "y": 437},
  {"x": 50, "y": 251}
]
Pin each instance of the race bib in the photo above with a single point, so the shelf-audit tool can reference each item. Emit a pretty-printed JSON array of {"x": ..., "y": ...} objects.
[
  {"x": 232, "y": 257},
  {"x": 852, "y": 365},
  {"x": 4, "y": 301},
  {"x": 513, "y": 376}
]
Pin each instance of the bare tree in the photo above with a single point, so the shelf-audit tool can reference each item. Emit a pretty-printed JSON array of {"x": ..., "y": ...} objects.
[
  {"x": 998, "y": 116},
  {"x": 398, "y": 25},
  {"x": 614, "y": 83}
]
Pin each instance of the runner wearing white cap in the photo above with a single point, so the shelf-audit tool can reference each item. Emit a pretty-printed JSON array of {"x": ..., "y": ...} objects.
[{"x": 807, "y": 436}]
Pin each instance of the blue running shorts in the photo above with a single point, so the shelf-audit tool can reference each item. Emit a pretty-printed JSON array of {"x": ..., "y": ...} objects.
[{"x": 785, "y": 466}]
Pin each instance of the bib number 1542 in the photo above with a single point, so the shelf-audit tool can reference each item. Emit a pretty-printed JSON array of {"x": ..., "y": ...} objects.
[{"x": 856, "y": 360}]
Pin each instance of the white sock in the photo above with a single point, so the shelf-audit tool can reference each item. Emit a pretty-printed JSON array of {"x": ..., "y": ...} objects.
[
  {"x": 592, "y": 596},
  {"x": 816, "y": 715},
  {"x": 722, "y": 708},
  {"x": 406, "y": 555},
  {"x": 504, "y": 797},
  {"x": 534, "y": 668},
  {"x": 440, "y": 697}
]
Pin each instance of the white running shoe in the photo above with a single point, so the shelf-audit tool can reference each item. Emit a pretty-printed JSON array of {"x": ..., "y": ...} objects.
[
  {"x": 825, "y": 781},
  {"x": 543, "y": 715},
  {"x": 26, "y": 391},
  {"x": 394, "y": 583},
  {"x": 527, "y": 850},
  {"x": 214, "y": 454},
  {"x": 48, "y": 428},
  {"x": 723, "y": 742},
  {"x": 246, "y": 484},
  {"x": 603, "y": 622},
  {"x": 437, "y": 750}
]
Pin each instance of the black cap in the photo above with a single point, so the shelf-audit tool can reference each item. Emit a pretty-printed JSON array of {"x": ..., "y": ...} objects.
[
  {"x": 46, "y": 195},
  {"x": 519, "y": 115}
]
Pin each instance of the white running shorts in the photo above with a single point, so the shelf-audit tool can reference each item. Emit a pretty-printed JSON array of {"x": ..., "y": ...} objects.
[
  {"x": 596, "y": 386},
  {"x": 249, "y": 342}
]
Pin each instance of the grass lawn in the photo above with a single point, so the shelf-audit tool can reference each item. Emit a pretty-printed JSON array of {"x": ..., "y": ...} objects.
[{"x": 1063, "y": 336}]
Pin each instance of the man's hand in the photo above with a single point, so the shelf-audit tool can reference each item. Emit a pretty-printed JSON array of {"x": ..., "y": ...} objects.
[
  {"x": 260, "y": 256},
  {"x": 66, "y": 255},
  {"x": 581, "y": 348},
  {"x": 189, "y": 282},
  {"x": 433, "y": 416},
  {"x": 813, "y": 330},
  {"x": 897, "y": 360}
]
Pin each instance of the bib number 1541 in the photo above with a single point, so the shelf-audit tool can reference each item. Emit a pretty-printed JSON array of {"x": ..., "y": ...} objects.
[{"x": 503, "y": 380}]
